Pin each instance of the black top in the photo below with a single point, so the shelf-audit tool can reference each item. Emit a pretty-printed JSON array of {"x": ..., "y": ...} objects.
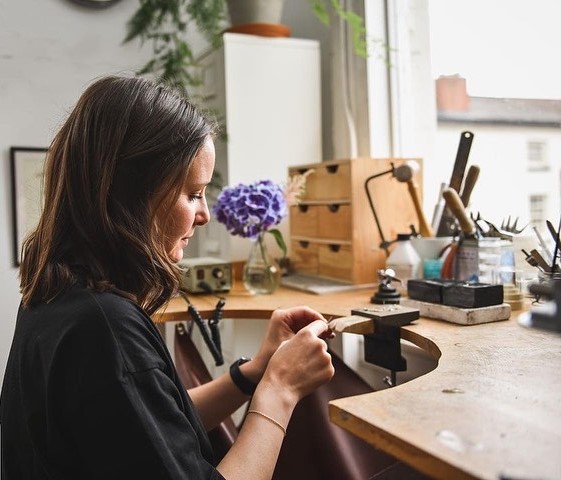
[{"x": 90, "y": 392}]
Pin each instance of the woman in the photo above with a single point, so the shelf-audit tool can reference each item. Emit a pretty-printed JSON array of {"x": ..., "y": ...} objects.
[{"x": 90, "y": 390}]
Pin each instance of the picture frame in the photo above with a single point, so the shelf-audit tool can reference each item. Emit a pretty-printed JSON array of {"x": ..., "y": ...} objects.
[{"x": 26, "y": 171}]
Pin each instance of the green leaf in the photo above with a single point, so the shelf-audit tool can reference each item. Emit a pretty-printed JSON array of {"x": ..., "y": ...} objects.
[
  {"x": 320, "y": 11},
  {"x": 166, "y": 24},
  {"x": 275, "y": 232}
]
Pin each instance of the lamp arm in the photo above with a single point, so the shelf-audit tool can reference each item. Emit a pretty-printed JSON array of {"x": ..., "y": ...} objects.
[{"x": 384, "y": 243}]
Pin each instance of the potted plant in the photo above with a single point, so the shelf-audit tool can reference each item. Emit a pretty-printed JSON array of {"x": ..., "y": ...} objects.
[{"x": 167, "y": 23}]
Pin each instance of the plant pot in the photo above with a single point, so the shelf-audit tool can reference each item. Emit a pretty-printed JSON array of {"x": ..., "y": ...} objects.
[
  {"x": 257, "y": 17},
  {"x": 243, "y": 12}
]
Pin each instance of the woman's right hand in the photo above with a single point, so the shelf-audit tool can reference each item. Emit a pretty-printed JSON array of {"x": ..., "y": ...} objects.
[
  {"x": 297, "y": 367},
  {"x": 301, "y": 364}
]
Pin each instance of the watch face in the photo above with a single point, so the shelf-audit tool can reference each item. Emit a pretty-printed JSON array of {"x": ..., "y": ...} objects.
[{"x": 95, "y": 3}]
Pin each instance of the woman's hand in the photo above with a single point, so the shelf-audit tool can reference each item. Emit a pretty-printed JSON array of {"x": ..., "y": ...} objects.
[
  {"x": 300, "y": 364},
  {"x": 284, "y": 325}
]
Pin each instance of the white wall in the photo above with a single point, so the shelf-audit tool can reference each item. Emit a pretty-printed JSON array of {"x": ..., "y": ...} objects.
[
  {"x": 504, "y": 185},
  {"x": 49, "y": 51}
]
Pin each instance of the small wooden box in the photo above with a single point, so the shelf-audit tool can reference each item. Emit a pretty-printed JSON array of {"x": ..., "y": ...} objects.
[{"x": 333, "y": 232}]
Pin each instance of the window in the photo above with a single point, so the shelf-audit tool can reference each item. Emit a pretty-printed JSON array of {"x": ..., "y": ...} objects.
[
  {"x": 538, "y": 209},
  {"x": 537, "y": 156},
  {"x": 505, "y": 93}
]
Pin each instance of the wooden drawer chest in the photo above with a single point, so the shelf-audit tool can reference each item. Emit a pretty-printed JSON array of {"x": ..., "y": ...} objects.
[{"x": 333, "y": 233}]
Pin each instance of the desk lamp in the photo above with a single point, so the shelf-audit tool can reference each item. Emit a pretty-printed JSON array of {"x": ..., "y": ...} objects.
[{"x": 404, "y": 174}]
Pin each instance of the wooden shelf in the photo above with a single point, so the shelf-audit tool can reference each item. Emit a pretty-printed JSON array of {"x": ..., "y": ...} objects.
[{"x": 334, "y": 211}]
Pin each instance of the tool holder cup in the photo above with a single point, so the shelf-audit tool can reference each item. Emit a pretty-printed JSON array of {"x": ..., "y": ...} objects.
[
  {"x": 486, "y": 260},
  {"x": 548, "y": 277}
]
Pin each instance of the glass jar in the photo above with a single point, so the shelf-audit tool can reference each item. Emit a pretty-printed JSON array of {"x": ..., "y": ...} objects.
[
  {"x": 261, "y": 273},
  {"x": 496, "y": 261}
]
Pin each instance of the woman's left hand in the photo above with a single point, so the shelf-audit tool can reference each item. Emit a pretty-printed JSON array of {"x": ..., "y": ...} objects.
[{"x": 283, "y": 326}]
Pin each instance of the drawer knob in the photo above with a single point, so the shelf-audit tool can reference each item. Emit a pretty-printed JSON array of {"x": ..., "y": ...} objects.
[
  {"x": 303, "y": 208},
  {"x": 332, "y": 168},
  {"x": 304, "y": 243},
  {"x": 334, "y": 247},
  {"x": 333, "y": 207}
]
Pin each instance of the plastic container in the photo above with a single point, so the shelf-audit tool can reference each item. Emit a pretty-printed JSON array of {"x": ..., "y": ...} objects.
[
  {"x": 430, "y": 249},
  {"x": 404, "y": 260}
]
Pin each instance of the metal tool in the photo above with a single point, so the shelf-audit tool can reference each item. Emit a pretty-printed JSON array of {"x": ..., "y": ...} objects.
[
  {"x": 446, "y": 227},
  {"x": 529, "y": 259},
  {"x": 489, "y": 229},
  {"x": 386, "y": 293},
  {"x": 554, "y": 235},
  {"x": 543, "y": 245},
  {"x": 438, "y": 208},
  {"x": 211, "y": 332},
  {"x": 383, "y": 347},
  {"x": 557, "y": 245},
  {"x": 513, "y": 228},
  {"x": 542, "y": 263},
  {"x": 556, "y": 240}
]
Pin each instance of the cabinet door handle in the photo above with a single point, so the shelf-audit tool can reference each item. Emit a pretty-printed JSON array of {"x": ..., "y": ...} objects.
[
  {"x": 332, "y": 168},
  {"x": 304, "y": 243},
  {"x": 334, "y": 247},
  {"x": 303, "y": 208}
]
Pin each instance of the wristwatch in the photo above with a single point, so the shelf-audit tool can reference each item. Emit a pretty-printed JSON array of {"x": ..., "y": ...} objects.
[{"x": 239, "y": 379}]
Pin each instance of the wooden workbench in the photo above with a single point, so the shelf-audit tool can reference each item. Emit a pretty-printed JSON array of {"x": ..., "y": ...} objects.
[{"x": 491, "y": 408}]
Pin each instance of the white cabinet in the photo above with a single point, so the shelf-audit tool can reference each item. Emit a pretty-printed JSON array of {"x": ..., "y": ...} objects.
[{"x": 267, "y": 92}]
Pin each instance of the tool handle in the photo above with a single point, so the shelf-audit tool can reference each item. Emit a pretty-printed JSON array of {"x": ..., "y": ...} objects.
[
  {"x": 469, "y": 182},
  {"x": 447, "y": 269},
  {"x": 542, "y": 263},
  {"x": 454, "y": 203},
  {"x": 424, "y": 228}
]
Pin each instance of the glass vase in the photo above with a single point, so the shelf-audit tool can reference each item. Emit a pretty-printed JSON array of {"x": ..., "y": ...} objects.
[{"x": 261, "y": 273}]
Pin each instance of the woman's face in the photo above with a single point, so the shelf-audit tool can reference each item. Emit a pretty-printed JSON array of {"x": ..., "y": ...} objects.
[{"x": 191, "y": 208}]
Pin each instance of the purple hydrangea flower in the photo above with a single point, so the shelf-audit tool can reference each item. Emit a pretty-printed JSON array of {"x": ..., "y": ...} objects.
[{"x": 248, "y": 210}]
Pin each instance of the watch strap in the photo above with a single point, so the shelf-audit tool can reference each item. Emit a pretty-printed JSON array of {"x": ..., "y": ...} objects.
[{"x": 240, "y": 380}]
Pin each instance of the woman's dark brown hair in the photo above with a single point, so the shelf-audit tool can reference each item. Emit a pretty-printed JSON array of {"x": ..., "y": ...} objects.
[{"x": 121, "y": 155}]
